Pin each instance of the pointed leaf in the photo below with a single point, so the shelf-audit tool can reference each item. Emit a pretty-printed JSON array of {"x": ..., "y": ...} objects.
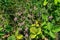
[{"x": 11, "y": 38}]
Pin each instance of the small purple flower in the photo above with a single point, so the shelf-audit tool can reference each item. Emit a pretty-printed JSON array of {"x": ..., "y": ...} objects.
[
  {"x": 26, "y": 35},
  {"x": 20, "y": 24},
  {"x": 26, "y": 29},
  {"x": 18, "y": 13},
  {"x": 15, "y": 19},
  {"x": 35, "y": 8},
  {"x": 50, "y": 17}
]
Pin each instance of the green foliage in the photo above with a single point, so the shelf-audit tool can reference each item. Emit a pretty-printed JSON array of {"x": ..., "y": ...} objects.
[
  {"x": 56, "y": 1},
  {"x": 8, "y": 28},
  {"x": 1, "y": 28},
  {"x": 2, "y": 33},
  {"x": 45, "y": 3},
  {"x": 11, "y": 37},
  {"x": 29, "y": 19},
  {"x": 56, "y": 29}
]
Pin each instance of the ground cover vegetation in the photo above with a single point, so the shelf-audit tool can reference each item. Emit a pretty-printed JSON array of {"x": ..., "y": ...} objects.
[{"x": 29, "y": 19}]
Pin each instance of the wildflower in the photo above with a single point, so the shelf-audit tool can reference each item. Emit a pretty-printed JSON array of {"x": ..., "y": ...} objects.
[
  {"x": 15, "y": 19},
  {"x": 18, "y": 13},
  {"x": 26, "y": 35},
  {"x": 26, "y": 29},
  {"x": 50, "y": 17},
  {"x": 20, "y": 24},
  {"x": 35, "y": 8}
]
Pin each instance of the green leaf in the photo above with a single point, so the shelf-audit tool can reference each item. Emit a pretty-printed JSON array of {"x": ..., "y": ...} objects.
[
  {"x": 45, "y": 3},
  {"x": 39, "y": 31},
  {"x": 55, "y": 1},
  {"x": 1, "y": 28},
  {"x": 59, "y": 1},
  {"x": 11, "y": 38},
  {"x": 8, "y": 28},
  {"x": 52, "y": 34},
  {"x": 56, "y": 29},
  {"x": 49, "y": 26},
  {"x": 44, "y": 17},
  {"x": 16, "y": 32},
  {"x": 44, "y": 23},
  {"x": 20, "y": 36},
  {"x": 32, "y": 36},
  {"x": 43, "y": 36},
  {"x": 45, "y": 31},
  {"x": 33, "y": 30},
  {"x": 2, "y": 33}
]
